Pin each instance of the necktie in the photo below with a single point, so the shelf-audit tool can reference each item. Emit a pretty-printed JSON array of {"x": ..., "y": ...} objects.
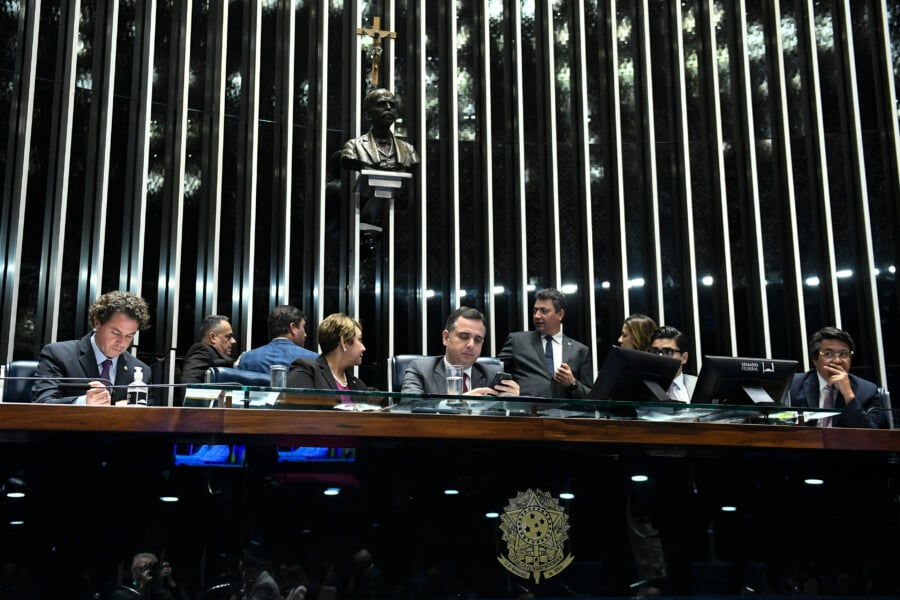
[
  {"x": 548, "y": 353},
  {"x": 104, "y": 371},
  {"x": 465, "y": 382},
  {"x": 828, "y": 402}
]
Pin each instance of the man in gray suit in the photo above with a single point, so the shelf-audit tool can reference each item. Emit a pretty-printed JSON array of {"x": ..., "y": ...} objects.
[
  {"x": 545, "y": 362},
  {"x": 668, "y": 341},
  {"x": 83, "y": 371},
  {"x": 463, "y": 338}
]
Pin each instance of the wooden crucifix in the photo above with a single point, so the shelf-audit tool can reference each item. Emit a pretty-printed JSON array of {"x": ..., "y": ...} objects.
[{"x": 377, "y": 34}]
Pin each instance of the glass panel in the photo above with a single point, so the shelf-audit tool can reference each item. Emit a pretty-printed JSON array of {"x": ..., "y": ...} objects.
[
  {"x": 638, "y": 219},
  {"x": 842, "y": 184},
  {"x": 604, "y": 201},
  {"x": 704, "y": 183},
  {"x": 505, "y": 176},
  {"x": 472, "y": 208},
  {"x": 532, "y": 40}
]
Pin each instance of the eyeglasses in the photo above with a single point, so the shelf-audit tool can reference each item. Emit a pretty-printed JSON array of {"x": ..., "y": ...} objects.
[
  {"x": 842, "y": 354},
  {"x": 670, "y": 352}
]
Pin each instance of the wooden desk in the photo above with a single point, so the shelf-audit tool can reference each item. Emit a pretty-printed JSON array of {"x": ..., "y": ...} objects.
[{"x": 34, "y": 421}]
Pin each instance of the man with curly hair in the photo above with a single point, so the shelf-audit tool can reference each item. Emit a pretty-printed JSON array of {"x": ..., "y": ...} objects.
[{"x": 97, "y": 368}]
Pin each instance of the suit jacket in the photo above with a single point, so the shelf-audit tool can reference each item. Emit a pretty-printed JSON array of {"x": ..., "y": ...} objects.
[
  {"x": 280, "y": 351},
  {"x": 316, "y": 375},
  {"x": 805, "y": 392},
  {"x": 362, "y": 153},
  {"x": 198, "y": 359},
  {"x": 429, "y": 376},
  {"x": 523, "y": 356},
  {"x": 75, "y": 358}
]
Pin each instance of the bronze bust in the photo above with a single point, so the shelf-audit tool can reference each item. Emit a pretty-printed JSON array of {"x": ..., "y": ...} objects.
[{"x": 379, "y": 148}]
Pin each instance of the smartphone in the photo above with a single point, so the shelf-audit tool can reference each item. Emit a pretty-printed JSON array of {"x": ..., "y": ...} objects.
[{"x": 498, "y": 377}]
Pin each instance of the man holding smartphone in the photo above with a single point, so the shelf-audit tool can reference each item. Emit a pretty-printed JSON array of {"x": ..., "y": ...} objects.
[{"x": 463, "y": 338}]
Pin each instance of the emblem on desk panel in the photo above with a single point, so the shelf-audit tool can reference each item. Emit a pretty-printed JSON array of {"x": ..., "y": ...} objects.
[{"x": 535, "y": 529}]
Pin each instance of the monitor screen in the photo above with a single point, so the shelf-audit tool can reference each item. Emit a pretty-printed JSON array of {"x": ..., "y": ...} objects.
[
  {"x": 210, "y": 455},
  {"x": 634, "y": 375},
  {"x": 738, "y": 380},
  {"x": 305, "y": 454}
]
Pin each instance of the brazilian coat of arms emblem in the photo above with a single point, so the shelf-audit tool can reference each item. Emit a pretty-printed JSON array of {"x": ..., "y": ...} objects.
[{"x": 535, "y": 528}]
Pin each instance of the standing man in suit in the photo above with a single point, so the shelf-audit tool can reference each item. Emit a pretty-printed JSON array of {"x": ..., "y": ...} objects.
[
  {"x": 213, "y": 349},
  {"x": 545, "y": 362},
  {"x": 463, "y": 338},
  {"x": 669, "y": 342},
  {"x": 99, "y": 359},
  {"x": 830, "y": 384}
]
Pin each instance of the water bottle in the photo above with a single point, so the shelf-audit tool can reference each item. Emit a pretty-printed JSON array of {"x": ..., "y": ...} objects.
[{"x": 137, "y": 389}]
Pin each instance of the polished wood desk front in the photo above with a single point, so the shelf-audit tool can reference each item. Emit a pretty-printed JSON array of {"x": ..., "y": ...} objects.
[{"x": 31, "y": 422}]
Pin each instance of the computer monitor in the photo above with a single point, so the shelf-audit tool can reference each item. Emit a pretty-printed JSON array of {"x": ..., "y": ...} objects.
[
  {"x": 634, "y": 375},
  {"x": 739, "y": 380}
]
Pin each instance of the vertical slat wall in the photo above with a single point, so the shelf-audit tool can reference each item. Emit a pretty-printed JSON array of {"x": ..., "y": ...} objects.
[{"x": 735, "y": 289}]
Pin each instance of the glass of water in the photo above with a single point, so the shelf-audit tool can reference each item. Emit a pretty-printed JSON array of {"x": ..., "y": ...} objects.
[{"x": 454, "y": 380}]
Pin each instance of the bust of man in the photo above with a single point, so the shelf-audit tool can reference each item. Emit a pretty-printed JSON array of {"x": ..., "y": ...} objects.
[{"x": 379, "y": 148}]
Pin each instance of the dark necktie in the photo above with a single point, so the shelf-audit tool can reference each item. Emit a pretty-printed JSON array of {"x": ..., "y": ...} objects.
[
  {"x": 104, "y": 371},
  {"x": 465, "y": 382},
  {"x": 548, "y": 353},
  {"x": 828, "y": 402}
]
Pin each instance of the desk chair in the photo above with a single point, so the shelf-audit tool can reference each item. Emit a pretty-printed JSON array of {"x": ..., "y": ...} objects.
[
  {"x": 241, "y": 376},
  {"x": 12, "y": 390}
]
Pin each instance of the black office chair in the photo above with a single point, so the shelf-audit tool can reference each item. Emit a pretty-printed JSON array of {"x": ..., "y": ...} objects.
[
  {"x": 397, "y": 366},
  {"x": 232, "y": 375},
  {"x": 18, "y": 390}
]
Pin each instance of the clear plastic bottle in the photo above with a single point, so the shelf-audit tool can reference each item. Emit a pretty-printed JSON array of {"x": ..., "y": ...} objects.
[{"x": 137, "y": 389}]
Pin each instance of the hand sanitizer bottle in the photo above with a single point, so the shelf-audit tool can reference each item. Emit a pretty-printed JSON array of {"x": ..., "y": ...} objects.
[{"x": 137, "y": 389}]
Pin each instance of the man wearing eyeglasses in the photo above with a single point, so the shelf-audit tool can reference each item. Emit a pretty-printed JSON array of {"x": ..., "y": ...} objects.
[
  {"x": 463, "y": 338},
  {"x": 830, "y": 385},
  {"x": 213, "y": 349},
  {"x": 668, "y": 341}
]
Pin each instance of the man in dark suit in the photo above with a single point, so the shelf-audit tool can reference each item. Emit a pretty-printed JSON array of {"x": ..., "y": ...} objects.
[
  {"x": 99, "y": 359},
  {"x": 463, "y": 338},
  {"x": 564, "y": 370},
  {"x": 213, "y": 349},
  {"x": 830, "y": 384}
]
